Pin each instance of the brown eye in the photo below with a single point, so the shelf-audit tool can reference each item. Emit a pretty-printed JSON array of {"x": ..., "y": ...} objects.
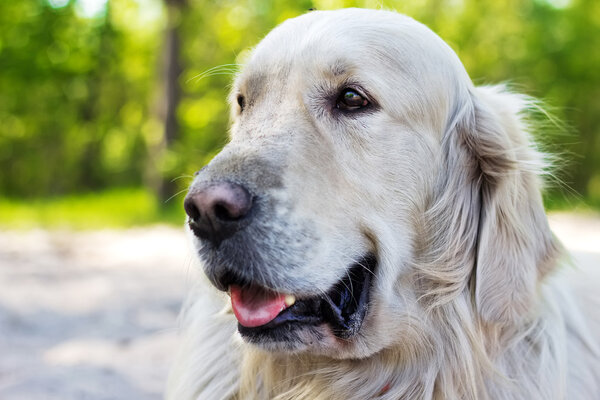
[
  {"x": 241, "y": 102},
  {"x": 351, "y": 100}
]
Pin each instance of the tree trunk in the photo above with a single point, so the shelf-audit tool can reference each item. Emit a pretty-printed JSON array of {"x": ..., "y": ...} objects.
[{"x": 172, "y": 69}]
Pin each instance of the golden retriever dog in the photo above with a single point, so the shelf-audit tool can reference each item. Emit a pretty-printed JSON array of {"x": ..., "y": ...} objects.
[{"x": 375, "y": 229}]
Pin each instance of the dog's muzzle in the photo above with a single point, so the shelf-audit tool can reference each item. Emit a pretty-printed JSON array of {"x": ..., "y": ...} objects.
[{"x": 218, "y": 210}]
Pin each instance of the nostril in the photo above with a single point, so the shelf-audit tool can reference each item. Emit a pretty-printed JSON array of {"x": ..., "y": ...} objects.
[
  {"x": 190, "y": 208},
  {"x": 223, "y": 213},
  {"x": 229, "y": 202}
]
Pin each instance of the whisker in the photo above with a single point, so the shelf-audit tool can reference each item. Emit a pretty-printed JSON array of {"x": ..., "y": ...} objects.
[
  {"x": 175, "y": 195},
  {"x": 223, "y": 69},
  {"x": 181, "y": 177}
]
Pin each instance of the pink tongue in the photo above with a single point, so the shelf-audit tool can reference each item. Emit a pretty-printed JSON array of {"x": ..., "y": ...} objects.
[{"x": 254, "y": 306}]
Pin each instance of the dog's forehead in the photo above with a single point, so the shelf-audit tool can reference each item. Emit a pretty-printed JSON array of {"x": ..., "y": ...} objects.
[
  {"x": 321, "y": 32},
  {"x": 335, "y": 43}
]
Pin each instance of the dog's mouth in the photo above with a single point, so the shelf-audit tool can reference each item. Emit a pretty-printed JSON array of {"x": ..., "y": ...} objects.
[{"x": 265, "y": 313}]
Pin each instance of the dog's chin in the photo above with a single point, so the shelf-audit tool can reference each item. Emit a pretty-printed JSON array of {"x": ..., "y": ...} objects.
[
  {"x": 298, "y": 339},
  {"x": 320, "y": 323}
]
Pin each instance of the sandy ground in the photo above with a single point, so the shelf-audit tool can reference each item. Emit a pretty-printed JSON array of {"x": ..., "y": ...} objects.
[{"x": 92, "y": 315}]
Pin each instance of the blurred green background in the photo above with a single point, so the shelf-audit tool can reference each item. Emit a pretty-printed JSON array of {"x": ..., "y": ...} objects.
[{"x": 107, "y": 107}]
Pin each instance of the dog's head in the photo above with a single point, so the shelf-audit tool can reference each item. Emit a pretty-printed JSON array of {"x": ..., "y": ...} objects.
[{"x": 367, "y": 181}]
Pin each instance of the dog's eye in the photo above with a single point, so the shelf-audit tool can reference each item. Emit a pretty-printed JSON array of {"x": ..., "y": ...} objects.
[
  {"x": 351, "y": 100},
  {"x": 241, "y": 102}
]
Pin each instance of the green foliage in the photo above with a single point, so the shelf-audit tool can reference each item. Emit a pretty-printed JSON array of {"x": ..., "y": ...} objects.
[
  {"x": 75, "y": 99},
  {"x": 82, "y": 96},
  {"x": 116, "y": 208}
]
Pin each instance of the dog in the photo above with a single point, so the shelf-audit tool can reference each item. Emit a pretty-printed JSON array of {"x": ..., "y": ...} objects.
[{"x": 375, "y": 229}]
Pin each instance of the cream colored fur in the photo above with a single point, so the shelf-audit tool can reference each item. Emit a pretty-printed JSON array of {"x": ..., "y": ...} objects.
[{"x": 442, "y": 181}]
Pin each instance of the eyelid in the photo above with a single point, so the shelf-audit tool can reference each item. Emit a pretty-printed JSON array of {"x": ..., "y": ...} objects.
[{"x": 241, "y": 101}]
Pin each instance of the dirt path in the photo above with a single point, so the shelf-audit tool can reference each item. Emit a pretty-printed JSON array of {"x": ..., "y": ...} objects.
[{"x": 91, "y": 316}]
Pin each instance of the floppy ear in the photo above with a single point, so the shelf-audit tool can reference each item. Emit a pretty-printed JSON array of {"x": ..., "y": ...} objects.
[{"x": 515, "y": 247}]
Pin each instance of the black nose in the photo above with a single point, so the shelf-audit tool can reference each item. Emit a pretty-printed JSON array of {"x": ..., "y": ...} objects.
[{"x": 218, "y": 211}]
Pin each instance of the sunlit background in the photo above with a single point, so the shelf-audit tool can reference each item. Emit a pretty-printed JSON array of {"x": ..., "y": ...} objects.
[{"x": 107, "y": 107}]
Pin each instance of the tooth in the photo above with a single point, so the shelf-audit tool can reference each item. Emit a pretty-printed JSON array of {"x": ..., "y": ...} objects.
[{"x": 289, "y": 300}]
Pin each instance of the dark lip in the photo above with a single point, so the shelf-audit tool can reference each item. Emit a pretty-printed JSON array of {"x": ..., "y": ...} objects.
[{"x": 343, "y": 307}]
